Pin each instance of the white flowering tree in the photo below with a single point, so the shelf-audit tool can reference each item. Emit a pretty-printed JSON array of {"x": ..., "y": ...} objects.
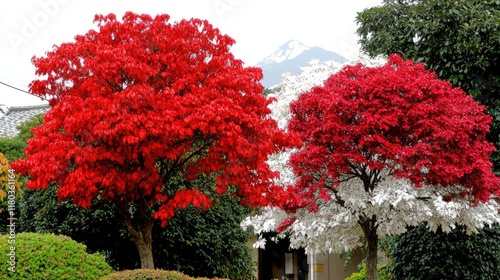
[{"x": 386, "y": 145}]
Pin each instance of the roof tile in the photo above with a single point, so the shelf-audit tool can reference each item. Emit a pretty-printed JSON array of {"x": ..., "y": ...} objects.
[{"x": 16, "y": 116}]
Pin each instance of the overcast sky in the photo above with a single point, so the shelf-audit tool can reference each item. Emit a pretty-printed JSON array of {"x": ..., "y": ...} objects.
[{"x": 31, "y": 27}]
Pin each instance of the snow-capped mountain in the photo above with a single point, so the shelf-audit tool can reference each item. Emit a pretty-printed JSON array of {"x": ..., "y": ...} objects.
[
  {"x": 289, "y": 58},
  {"x": 289, "y": 50}
]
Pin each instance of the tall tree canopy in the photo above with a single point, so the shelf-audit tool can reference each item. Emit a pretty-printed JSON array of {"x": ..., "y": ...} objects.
[
  {"x": 140, "y": 101},
  {"x": 385, "y": 147},
  {"x": 459, "y": 40}
]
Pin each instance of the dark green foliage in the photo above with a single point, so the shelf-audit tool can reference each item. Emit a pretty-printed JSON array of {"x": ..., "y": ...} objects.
[
  {"x": 48, "y": 256},
  {"x": 421, "y": 254},
  {"x": 460, "y": 40},
  {"x": 149, "y": 274},
  {"x": 208, "y": 243},
  {"x": 198, "y": 243}
]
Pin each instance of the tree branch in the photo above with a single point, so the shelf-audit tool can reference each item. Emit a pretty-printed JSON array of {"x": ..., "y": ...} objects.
[{"x": 128, "y": 220}]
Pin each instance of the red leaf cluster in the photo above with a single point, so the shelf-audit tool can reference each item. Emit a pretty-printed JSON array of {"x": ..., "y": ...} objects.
[
  {"x": 285, "y": 224},
  {"x": 142, "y": 99},
  {"x": 399, "y": 117},
  {"x": 181, "y": 200}
]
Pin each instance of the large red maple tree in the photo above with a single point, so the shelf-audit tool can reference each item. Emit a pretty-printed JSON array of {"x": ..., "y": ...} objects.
[
  {"x": 142, "y": 102},
  {"x": 369, "y": 126}
]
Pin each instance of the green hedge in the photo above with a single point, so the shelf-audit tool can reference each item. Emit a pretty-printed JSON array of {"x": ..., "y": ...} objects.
[
  {"x": 12, "y": 148},
  {"x": 420, "y": 254},
  {"x": 150, "y": 274},
  {"x": 48, "y": 256}
]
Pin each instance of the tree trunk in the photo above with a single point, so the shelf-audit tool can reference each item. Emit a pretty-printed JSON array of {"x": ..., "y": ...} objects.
[
  {"x": 370, "y": 231},
  {"x": 140, "y": 228},
  {"x": 144, "y": 243}
]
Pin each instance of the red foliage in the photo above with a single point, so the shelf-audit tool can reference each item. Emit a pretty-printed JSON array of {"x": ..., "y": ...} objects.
[
  {"x": 285, "y": 224},
  {"x": 397, "y": 117},
  {"x": 140, "y": 100}
]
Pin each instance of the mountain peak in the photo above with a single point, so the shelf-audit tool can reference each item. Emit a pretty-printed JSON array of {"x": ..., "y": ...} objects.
[
  {"x": 290, "y": 57},
  {"x": 288, "y": 50}
]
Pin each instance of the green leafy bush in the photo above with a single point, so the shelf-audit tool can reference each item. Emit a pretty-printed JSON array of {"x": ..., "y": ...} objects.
[
  {"x": 49, "y": 256},
  {"x": 100, "y": 228},
  {"x": 217, "y": 244},
  {"x": 421, "y": 254},
  {"x": 12, "y": 148},
  {"x": 383, "y": 273},
  {"x": 150, "y": 274}
]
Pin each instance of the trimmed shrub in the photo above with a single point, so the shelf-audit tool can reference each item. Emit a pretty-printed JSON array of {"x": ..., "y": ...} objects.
[
  {"x": 383, "y": 273},
  {"x": 49, "y": 256},
  {"x": 150, "y": 274},
  {"x": 12, "y": 148}
]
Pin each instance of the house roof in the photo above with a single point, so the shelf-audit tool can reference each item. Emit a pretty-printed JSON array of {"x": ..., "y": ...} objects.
[{"x": 12, "y": 117}]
